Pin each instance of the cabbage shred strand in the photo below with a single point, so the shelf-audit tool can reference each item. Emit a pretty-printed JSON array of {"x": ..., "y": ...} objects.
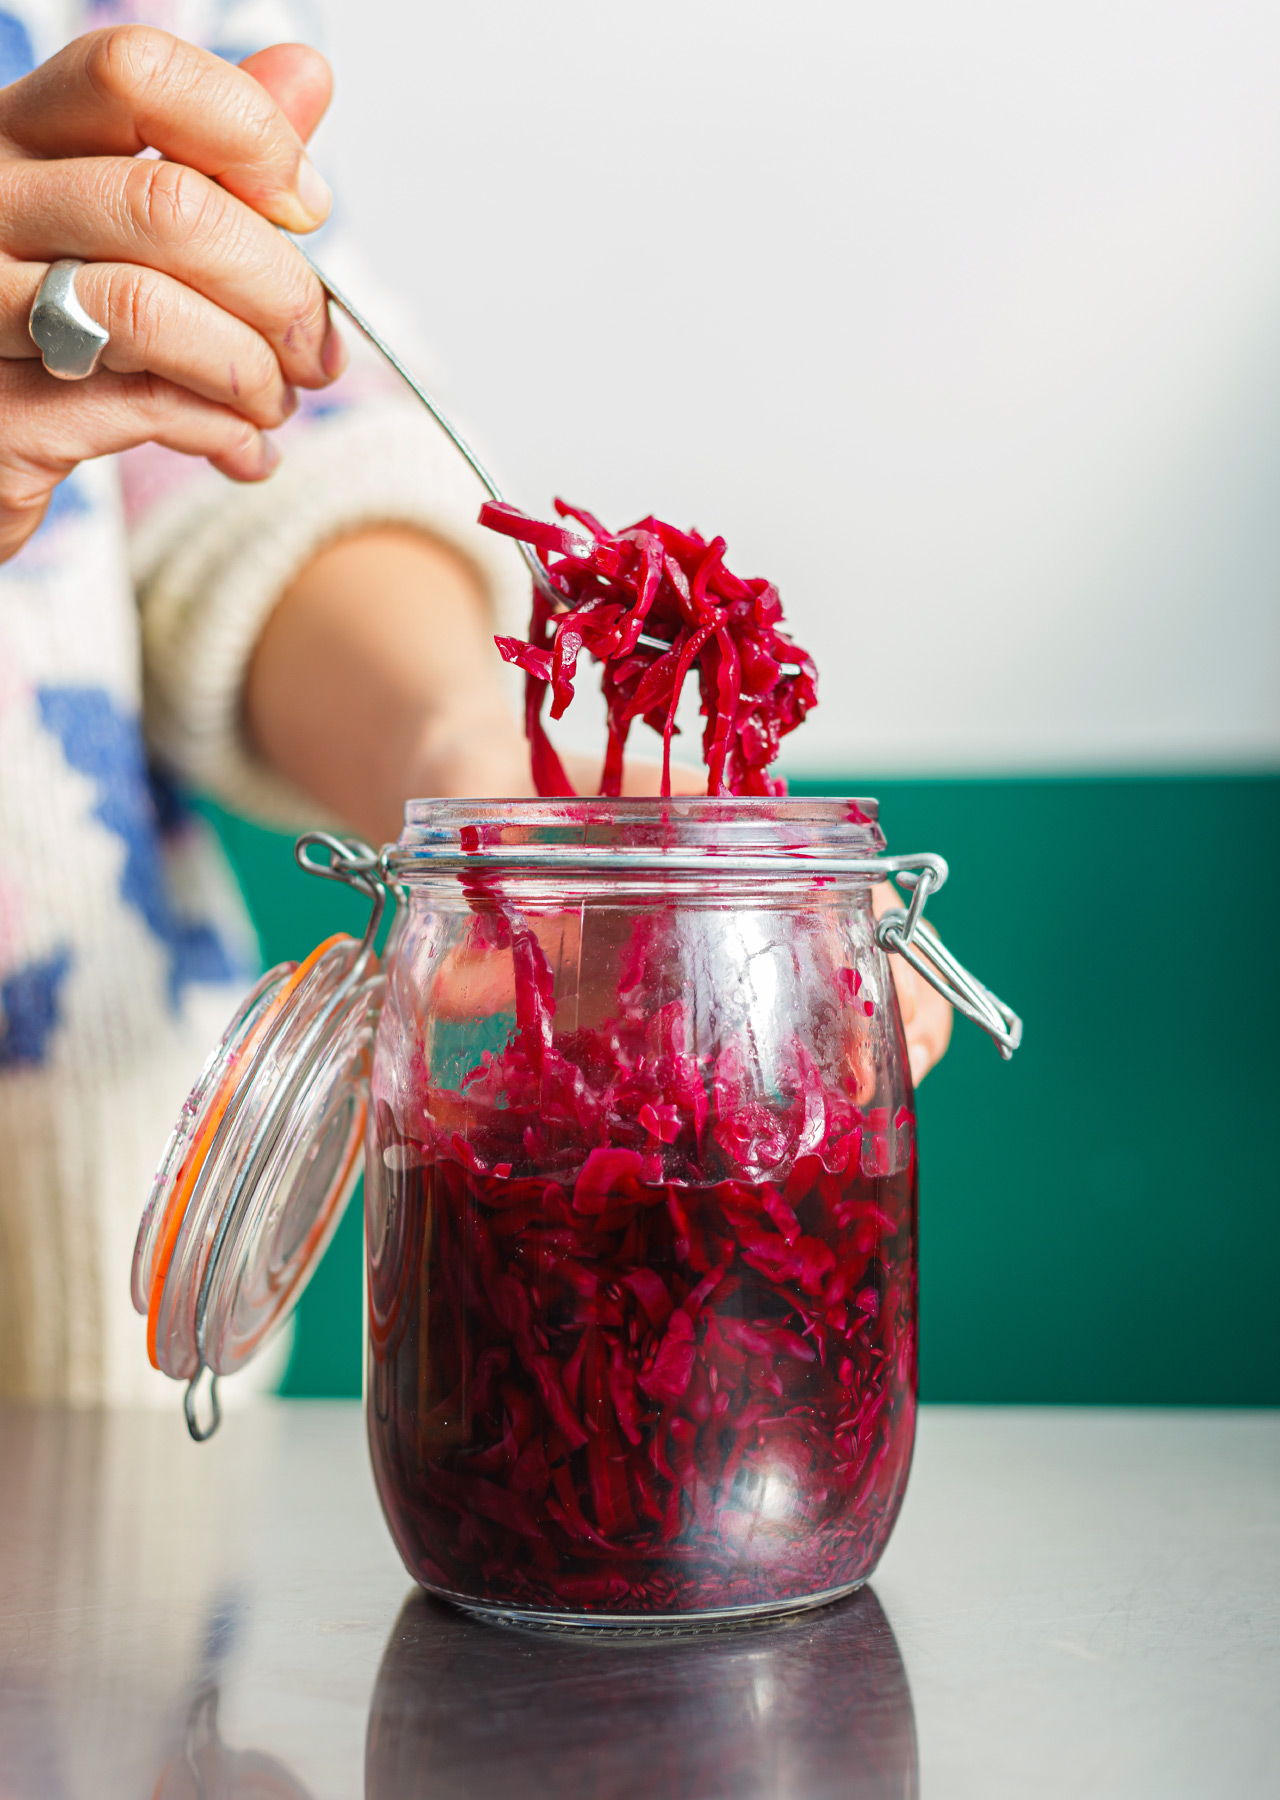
[{"x": 655, "y": 581}]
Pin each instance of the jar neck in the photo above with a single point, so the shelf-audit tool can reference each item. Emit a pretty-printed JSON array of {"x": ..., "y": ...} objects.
[{"x": 698, "y": 837}]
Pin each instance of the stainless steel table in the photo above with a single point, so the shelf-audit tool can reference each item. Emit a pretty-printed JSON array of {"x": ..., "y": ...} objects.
[{"x": 1075, "y": 1603}]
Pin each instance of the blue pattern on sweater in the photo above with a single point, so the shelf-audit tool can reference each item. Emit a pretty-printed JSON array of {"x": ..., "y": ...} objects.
[
  {"x": 16, "y": 55},
  {"x": 30, "y": 1001},
  {"x": 106, "y": 744},
  {"x": 67, "y": 501}
]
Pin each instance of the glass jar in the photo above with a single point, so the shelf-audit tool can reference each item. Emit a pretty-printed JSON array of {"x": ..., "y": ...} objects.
[{"x": 640, "y": 1199}]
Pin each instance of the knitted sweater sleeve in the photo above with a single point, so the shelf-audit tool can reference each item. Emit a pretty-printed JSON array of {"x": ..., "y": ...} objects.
[{"x": 211, "y": 559}]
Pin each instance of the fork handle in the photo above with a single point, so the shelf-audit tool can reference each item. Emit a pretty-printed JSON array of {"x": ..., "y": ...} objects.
[{"x": 450, "y": 430}]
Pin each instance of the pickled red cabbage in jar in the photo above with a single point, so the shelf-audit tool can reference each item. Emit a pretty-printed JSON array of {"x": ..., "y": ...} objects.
[{"x": 641, "y": 1204}]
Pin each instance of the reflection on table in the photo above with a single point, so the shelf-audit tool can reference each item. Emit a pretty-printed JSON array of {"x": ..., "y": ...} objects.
[
  {"x": 1087, "y": 1602},
  {"x": 818, "y": 1705},
  {"x": 206, "y": 1768}
]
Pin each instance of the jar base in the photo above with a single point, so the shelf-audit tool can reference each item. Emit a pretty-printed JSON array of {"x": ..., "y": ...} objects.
[{"x": 726, "y": 1618}]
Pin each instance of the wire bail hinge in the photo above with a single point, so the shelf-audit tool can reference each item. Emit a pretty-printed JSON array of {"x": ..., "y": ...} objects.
[
  {"x": 905, "y": 933},
  {"x": 352, "y": 862}
]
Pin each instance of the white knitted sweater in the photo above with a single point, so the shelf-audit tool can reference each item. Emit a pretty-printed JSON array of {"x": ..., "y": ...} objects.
[{"x": 125, "y": 628}]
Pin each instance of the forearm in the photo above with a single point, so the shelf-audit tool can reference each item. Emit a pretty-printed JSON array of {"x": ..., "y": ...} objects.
[{"x": 376, "y": 678}]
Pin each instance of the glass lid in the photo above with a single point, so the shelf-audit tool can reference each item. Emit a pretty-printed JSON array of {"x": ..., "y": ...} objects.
[{"x": 260, "y": 1166}]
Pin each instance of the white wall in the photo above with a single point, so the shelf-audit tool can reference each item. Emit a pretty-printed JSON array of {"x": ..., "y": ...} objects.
[{"x": 962, "y": 322}]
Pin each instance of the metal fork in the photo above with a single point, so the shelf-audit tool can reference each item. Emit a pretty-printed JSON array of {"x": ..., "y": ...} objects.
[
  {"x": 446, "y": 425},
  {"x": 455, "y": 437}
]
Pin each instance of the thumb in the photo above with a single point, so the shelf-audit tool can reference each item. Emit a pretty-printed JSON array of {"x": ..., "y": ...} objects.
[{"x": 298, "y": 79}]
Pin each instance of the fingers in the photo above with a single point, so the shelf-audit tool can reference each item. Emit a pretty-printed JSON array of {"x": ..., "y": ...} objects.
[
  {"x": 173, "y": 219},
  {"x": 926, "y": 1016},
  {"x": 50, "y": 426},
  {"x": 158, "y": 325},
  {"x": 929, "y": 1031},
  {"x": 298, "y": 79},
  {"x": 684, "y": 780},
  {"x": 642, "y": 778},
  {"x": 130, "y": 88},
  {"x": 639, "y": 779}
]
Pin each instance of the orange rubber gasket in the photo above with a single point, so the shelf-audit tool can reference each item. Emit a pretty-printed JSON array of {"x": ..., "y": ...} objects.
[{"x": 180, "y": 1198}]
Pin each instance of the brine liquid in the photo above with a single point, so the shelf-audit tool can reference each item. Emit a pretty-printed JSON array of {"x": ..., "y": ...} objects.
[{"x": 649, "y": 1399}]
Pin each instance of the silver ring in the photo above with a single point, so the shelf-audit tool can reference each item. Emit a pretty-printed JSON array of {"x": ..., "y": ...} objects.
[{"x": 69, "y": 341}]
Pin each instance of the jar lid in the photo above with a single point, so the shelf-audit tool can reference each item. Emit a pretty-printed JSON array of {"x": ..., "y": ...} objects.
[{"x": 261, "y": 1164}]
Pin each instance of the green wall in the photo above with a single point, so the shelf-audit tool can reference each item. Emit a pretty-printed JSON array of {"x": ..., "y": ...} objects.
[{"x": 1100, "y": 1218}]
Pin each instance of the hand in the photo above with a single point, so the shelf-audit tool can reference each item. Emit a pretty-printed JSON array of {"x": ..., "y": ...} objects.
[
  {"x": 640, "y": 777},
  {"x": 926, "y": 1016},
  {"x": 214, "y": 319}
]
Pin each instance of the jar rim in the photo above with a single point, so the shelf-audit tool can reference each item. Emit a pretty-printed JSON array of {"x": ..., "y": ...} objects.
[{"x": 778, "y": 833}]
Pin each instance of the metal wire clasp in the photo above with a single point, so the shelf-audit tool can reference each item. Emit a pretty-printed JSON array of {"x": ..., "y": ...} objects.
[
  {"x": 355, "y": 864},
  {"x": 905, "y": 933},
  {"x": 199, "y": 1430}
]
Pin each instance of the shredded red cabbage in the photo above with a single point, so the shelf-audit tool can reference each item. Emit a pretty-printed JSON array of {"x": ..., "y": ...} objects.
[
  {"x": 672, "y": 586},
  {"x": 641, "y": 1343},
  {"x": 642, "y": 1319}
]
